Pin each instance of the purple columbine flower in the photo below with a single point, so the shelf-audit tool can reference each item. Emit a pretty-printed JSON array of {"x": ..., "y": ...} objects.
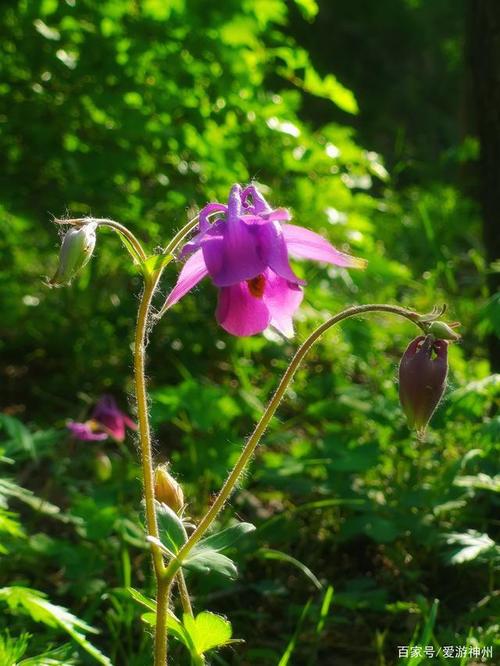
[
  {"x": 246, "y": 253},
  {"x": 111, "y": 419},
  {"x": 107, "y": 420},
  {"x": 88, "y": 432}
]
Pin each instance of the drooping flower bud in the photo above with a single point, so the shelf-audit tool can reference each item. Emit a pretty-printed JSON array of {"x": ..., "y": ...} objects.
[
  {"x": 422, "y": 379},
  {"x": 76, "y": 249},
  {"x": 167, "y": 490}
]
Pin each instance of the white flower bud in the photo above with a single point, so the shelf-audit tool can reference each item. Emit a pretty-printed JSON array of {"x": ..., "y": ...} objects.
[{"x": 76, "y": 250}]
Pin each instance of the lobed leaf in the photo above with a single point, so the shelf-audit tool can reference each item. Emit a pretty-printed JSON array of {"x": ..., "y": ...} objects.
[{"x": 35, "y": 604}]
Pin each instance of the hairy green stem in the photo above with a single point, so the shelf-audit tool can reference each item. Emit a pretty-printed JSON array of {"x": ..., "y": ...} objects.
[
  {"x": 181, "y": 235},
  {"x": 172, "y": 246},
  {"x": 161, "y": 636},
  {"x": 162, "y": 585},
  {"x": 184, "y": 594},
  {"x": 266, "y": 417},
  {"x": 143, "y": 417}
]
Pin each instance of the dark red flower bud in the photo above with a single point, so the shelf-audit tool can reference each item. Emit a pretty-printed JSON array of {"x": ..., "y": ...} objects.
[{"x": 422, "y": 379}]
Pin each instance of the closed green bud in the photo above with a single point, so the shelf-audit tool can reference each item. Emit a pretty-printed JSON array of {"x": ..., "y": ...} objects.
[
  {"x": 443, "y": 331},
  {"x": 76, "y": 249},
  {"x": 103, "y": 467},
  {"x": 167, "y": 490}
]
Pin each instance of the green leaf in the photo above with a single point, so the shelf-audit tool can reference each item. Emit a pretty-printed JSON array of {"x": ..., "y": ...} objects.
[
  {"x": 207, "y": 631},
  {"x": 9, "y": 488},
  {"x": 130, "y": 249},
  {"x": 12, "y": 648},
  {"x": 308, "y": 8},
  {"x": 325, "y": 607},
  {"x": 480, "y": 482},
  {"x": 271, "y": 554},
  {"x": 299, "y": 70},
  {"x": 469, "y": 546},
  {"x": 206, "y": 555},
  {"x": 174, "y": 625},
  {"x": 330, "y": 88},
  {"x": 35, "y": 604},
  {"x": 425, "y": 635},
  {"x": 293, "y": 641},
  {"x": 205, "y": 560},
  {"x": 141, "y": 599},
  {"x": 221, "y": 540},
  {"x": 155, "y": 263},
  {"x": 60, "y": 656},
  {"x": 172, "y": 532},
  {"x": 20, "y": 436},
  {"x": 10, "y": 525}
]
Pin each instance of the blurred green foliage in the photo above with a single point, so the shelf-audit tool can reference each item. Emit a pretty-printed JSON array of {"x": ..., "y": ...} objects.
[{"x": 143, "y": 112}]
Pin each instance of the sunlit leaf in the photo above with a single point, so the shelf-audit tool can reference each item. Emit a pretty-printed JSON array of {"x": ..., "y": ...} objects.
[
  {"x": 156, "y": 262},
  {"x": 207, "y": 631},
  {"x": 35, "y": 604},
  {"x": 205, "y": 560},
  {"x": 172, "y": 532},
  {"x": 226, "y": 538},
  {"x": 20, "y": 436},
  {"x": 469, "y": 546},
  {"x": 285, "y": 659},
  {"x": 309, "y": 8}
]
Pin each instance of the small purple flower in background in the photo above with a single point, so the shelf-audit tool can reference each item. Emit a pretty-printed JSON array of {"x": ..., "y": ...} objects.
[
  {"x": 107, "y": 421},
  {"x": 246, "y": 253},
  {"x": 111, "y": 419},
  {"x": 87, "y": 432}
]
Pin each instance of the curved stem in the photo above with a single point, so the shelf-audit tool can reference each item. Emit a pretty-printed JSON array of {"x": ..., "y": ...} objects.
[
  {"x": 266, "y": 417},
  {"x": 172, "y": 246},
  {"x": 181, "y": 235},
  {"x": 120, "y": 228},
  {"x": 140, "y": 342},
  {"x": 141, "y": 395},
  {"x": 162, "y": 584},
  {"x": 143, "y": 418}
]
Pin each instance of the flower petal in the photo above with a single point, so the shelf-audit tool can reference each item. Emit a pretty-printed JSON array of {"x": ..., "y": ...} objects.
[
  {"x": 282, "y": 298},
  {"x": 84, "y": 432},
  {"x": 259, "y": 205},
  {"x": 129, "y": 423},
  {"x": 240, "y": 313},
  {"x": 278, "y": 215},
  {"x": 204, "y": 227},
  {"x": 232, "y": 256},
  {"x": 192, "y": 272},
  {"x": 306, "y": 244},
  {"x": 110, "y": 418},
  {"x": 208, "y": 210},
  {"x": 273, "y": 250}
]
